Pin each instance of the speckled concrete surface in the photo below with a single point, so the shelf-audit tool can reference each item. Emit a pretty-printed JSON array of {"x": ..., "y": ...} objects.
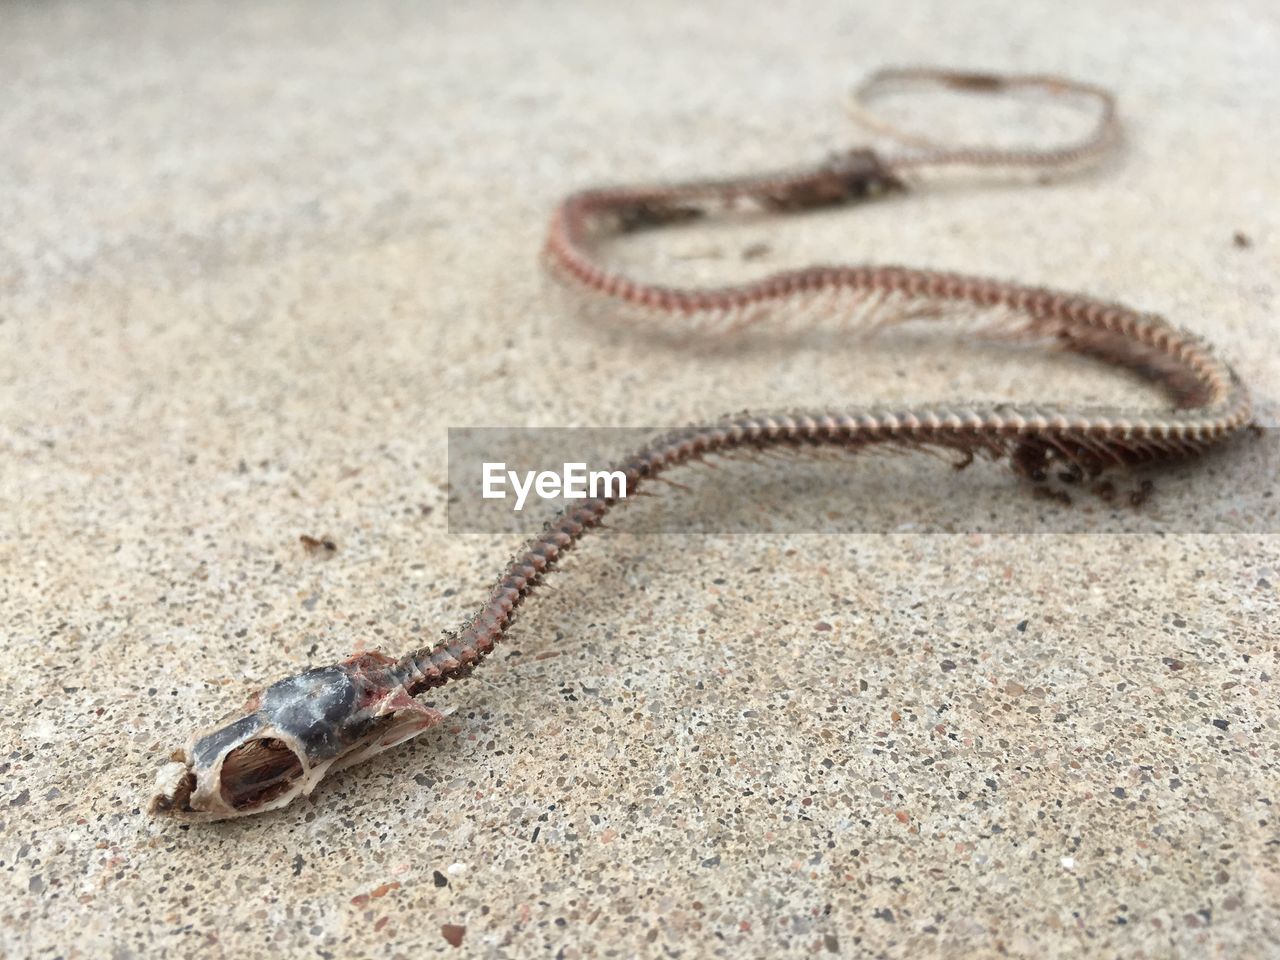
[{"x": 255, "y": 261}]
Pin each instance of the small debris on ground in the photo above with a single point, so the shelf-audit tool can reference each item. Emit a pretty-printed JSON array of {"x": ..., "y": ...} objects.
[
  {"x": 1142, "y": 494},
  {"x": 322, "y": 546}
]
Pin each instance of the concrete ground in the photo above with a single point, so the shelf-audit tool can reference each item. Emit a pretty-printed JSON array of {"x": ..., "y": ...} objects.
[{"x": 256, "y": 259}]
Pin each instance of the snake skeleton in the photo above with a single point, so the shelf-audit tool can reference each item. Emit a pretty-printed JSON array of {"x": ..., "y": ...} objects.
[{"x": 288, "y": 736}]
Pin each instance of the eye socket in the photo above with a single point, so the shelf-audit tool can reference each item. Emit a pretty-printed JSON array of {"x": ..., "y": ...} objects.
[{"x": 257, "y": 772}]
